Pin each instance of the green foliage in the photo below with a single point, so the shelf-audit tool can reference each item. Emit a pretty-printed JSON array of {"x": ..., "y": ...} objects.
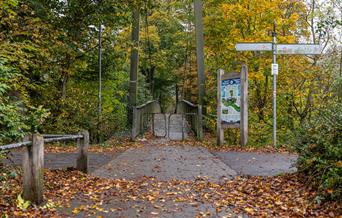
[
  {"x": 16, "y": 119},
  {"x": 11, "y": 125},
  {"x": 320, "y": 150}
]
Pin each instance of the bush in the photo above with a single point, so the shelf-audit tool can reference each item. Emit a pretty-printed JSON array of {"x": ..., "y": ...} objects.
[{"x": 320, "y": 151}]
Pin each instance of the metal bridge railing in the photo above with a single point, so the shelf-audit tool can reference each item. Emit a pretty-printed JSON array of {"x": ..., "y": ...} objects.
[
  {"x": 150, "y": 107},
  {"x": 196, "y": 122},
  {"x": 184, "y": 123}
]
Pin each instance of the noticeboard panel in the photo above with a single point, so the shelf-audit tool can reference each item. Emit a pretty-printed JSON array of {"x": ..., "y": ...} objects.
[{"x": 231, "y": 101}]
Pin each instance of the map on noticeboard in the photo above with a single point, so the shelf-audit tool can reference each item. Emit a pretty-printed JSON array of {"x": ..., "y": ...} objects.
[{"x": 230, "y": 101}]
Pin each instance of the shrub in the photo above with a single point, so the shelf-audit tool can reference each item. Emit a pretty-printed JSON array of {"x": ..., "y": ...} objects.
[{"x": 320, "y": 151}]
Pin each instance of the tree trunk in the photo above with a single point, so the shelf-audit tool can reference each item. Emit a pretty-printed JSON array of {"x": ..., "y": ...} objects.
[{"x": 64, "y": 84}]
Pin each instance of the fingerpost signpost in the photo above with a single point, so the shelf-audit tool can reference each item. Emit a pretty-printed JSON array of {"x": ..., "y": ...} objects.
[{"x": 278, "y": 49}]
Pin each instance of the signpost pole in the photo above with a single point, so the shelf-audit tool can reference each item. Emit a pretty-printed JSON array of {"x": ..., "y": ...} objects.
[
  {"x": 274, "y": 61},
  {"x": 283, "y": 49},
  {"x": 220, "y": 133},
  {"x": 100, "y": 85}
]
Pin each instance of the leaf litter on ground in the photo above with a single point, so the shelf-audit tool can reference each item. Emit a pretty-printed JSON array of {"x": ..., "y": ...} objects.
[{"x": 279, "y": 196}]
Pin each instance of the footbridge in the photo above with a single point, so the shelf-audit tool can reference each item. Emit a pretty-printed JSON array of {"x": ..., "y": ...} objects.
[{"x": 184, "y": 123}]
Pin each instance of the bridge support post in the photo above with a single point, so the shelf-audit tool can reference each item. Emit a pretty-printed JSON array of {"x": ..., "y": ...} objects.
[
  {"x": 198, "y": 7},
  {"x": 33, "y": 165},
  {"x": 133, "y": 85}
]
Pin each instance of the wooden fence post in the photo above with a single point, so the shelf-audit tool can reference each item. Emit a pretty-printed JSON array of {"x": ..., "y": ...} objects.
[
  {"x": 200, "y": 123},
  {"x": 82, "y": 159},
  {"x": 244, "y": 106},
  {"x": 219, "y": 129},
  {"x": 33, "y": 165}
]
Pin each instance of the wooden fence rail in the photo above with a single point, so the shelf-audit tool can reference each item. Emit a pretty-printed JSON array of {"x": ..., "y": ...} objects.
[{"x": 33, "y": 160}]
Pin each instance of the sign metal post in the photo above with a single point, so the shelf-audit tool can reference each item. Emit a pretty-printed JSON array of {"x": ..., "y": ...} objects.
[
  {"x": 283, "y": 49},
  {"x": 274, "y": 62}
]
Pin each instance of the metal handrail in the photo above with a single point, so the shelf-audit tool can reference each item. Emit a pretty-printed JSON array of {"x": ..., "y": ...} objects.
[
  {"x": 189, "y": 103},
  {"x": 65, "y": 138},
  {"x": 15, "y": 145},
  {"x": 47, "y": 138},
  {"x": 145, "y": 104},
  {"x": 54, "y": 135}
]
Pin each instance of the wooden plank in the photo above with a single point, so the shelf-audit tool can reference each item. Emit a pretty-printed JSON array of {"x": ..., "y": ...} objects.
[{"x": 33, "y": 164}]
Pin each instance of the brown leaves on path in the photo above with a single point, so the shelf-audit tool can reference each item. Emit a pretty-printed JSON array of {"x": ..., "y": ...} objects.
[{"x": 281, "y": 196}]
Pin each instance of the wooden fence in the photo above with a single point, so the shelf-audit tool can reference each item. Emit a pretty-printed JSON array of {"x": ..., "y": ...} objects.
[{"x": 33, "y": 160}]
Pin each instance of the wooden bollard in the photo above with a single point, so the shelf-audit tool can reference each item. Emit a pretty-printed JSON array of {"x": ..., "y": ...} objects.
[
  {"x": 200, "y": 123},
  {"x": 33, "y": 165},
  {"x": 82, "y": 159}
]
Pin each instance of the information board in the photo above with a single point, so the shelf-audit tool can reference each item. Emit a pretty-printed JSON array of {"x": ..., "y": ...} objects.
[{"x": 230, "y": 101}]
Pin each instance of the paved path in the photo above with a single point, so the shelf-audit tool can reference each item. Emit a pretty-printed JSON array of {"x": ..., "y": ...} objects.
[
  {"x": 114, "y": 206},
  {"x": 166, "y": 162},
  {"x": 65, "y": 160},
  {"x": 258, "y": 164},
  {"x": 243, "y": 163}
]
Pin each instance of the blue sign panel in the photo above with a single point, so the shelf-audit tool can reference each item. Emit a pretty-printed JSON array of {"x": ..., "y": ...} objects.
[{"x": 230, "y": 101}]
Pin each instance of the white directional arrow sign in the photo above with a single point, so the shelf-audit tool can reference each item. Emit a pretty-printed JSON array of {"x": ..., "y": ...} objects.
[
  {"x": 309, "y": 49},
  {"x": 278, "y": 49},
  {"x": 262, "y": 46},
  {"x": 281, "y": 48}
]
